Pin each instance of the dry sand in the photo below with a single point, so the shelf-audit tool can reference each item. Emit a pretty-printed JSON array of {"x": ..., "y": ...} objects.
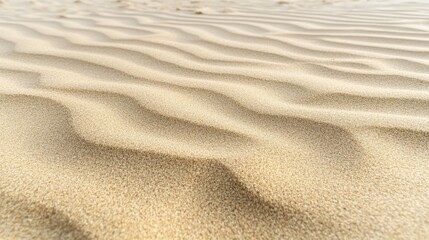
[{"x": 212, "y": 119}]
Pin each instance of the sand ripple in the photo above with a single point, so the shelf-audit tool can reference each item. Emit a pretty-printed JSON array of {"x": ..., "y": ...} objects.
[{"x": 214, "y": 119}]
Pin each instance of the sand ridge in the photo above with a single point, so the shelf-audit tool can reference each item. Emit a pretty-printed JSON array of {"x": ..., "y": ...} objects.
[{"x": 214, "y": 119}]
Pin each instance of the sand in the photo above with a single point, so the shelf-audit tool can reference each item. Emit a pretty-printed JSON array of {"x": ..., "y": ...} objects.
[{"x": 214, "y": 119}]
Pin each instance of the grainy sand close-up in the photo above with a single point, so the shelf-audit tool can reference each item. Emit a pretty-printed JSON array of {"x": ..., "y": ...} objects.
[{"x": 214, "y": 119}]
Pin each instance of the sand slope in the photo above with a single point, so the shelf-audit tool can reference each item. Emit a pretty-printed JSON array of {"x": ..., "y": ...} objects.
[{"x": 214, "y": 119}]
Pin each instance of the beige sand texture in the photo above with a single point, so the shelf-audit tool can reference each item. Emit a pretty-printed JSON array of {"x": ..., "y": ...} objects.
[{"x": 214, "y": 119}]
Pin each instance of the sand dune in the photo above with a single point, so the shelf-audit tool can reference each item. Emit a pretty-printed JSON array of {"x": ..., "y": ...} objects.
[{"x": 214, "y": 119}]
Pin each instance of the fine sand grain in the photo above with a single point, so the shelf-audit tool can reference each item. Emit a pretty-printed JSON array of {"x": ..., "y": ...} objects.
[{"x": 214, "y": 119}]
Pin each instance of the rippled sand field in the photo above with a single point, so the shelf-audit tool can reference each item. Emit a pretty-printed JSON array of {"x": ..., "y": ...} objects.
[{"x": 214, "y": 119}]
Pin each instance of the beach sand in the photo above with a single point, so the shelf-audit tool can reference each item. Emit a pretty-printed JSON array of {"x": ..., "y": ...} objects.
[{"x": 214, "y": 119}]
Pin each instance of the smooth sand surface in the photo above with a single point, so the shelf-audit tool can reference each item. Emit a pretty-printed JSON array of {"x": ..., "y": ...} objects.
[{"x": 214, "y": 119}]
